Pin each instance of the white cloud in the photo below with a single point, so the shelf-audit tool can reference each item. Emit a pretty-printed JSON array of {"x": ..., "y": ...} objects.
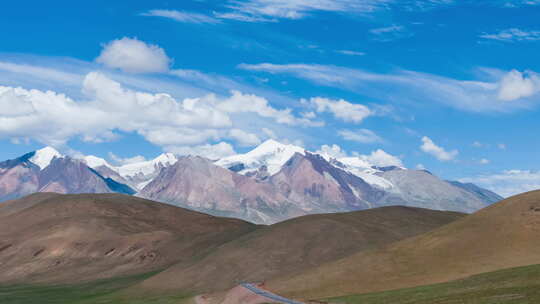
[
  {"x": 210, "y": 151},
  {"x": 248, "y": 103},
  {"x": 181, "y": 16},
  {"x": 478, "y": 144},
  {"x": 390, "y": 33},
  {"x": 244, "y": 138},
  {"x": 388, "y": 29},
  {"x": 134, "y": 56},
  {"x": 273, "y": 10},
  {"x": 269, "y": 10},
  {"x": 484, "y": 161},
  {"x": 420, "y": 167},
  {"x": 364, "y": 136},
  {"x": 440, "y": 153},
  {"x": 507, "y": 183},
  {"x": 513, "y": 35},
  {"x": 378, "y": 158},
  {"x": 110, "y": 108},
  {"x": 501, "y": 146},
  {"x": 351, "y": 53},
  {"x": 516, "y": 85},
  {"x": 269, "y": 133},
  {"x": 342, "y": 109},
  {"x": 410, "y": 86},
  {"x": 127, "y": 160},
  {"x": 333, "y": 151}
]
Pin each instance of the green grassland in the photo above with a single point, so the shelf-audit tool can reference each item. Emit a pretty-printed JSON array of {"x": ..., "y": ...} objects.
[
  {"x": 511, "y": 286},
  {"x": 110, "y": 291}
]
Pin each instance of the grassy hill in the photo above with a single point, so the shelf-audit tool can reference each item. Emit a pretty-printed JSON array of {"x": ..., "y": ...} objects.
[
  {"x": 296, "y": 245},
  {"x": 51, "y": 238},
  {"x": 504, "y": 235},
  {"x": 509, "y": 286}
]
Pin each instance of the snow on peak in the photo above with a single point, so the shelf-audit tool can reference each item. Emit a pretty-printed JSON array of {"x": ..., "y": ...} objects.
[
  {"x": 95, "y": 162},
  {"x": 43, "y": 157},
  {"x": 166, "y": 159},
  {"x": 270, "y": 153},
  {"x": 363, "y": 169},
  {"x": 147, "y": 167}
]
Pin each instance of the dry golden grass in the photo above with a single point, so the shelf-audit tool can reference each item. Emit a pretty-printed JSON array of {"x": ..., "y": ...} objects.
[{"x": 501, "y": 236}]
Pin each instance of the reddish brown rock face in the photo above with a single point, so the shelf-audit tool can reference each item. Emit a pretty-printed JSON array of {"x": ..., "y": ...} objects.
[
  {"x": 20, "y": 177},
  {"x": 305, "y": 185}
]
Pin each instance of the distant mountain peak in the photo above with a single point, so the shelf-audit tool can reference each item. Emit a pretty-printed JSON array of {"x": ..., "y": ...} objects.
[
  {"x": 43, "y": 157},
  {"x": 94, "y": 162},
  {"x": 270, "y": 153}
]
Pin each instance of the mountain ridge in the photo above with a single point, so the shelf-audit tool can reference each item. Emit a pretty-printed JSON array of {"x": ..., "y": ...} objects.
[{"x": 271, "y": 183}]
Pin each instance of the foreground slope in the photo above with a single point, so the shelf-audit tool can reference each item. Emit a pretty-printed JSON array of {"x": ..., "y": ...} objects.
[
  {"x": 296, "y": 245},
  {"x": 51, "y": 238},
  {"x": 501, "y": 236},
  {"x": 507, "y": 286}
]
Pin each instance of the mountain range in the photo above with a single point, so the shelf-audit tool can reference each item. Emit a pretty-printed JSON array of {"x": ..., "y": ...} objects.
[{"x": 268, "y": 184}]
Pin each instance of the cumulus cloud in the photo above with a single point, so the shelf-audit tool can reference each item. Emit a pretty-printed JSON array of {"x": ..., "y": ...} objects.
[
  {"x": 342, "y": 109},
  {"x": 134, "y": 56},
  {"x": 244, "y": 138},
  {"x": 379, "y": 157},
  {"x": 516, "y": 85},
  {"x": 507, "y": 183},
  {"x": 181, "y": 16},
  {"x": 249, "y": 103},
  {"x": 364, "y": 136},
  {"x": 110, "y": 108},
  {"x": 332, "y": 151},
  {"x": 491, "y": 95},
  {"x": 210, "y": 151},
  {"x": 438, "y": 152}
]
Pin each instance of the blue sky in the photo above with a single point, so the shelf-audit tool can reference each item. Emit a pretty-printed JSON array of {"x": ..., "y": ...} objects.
[{"x": 447, "y": 85}]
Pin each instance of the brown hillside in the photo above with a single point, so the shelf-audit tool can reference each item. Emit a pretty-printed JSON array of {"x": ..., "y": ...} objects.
[
  {"x": 52, "y": 238},
  {"x": 501, "y": 236},
  {"x": 296, "y": 245}
]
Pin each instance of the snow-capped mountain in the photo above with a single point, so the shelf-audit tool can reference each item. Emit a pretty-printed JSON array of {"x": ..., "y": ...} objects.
[
  {"x": 271, "y": 183},
  {"x": 137, "y": 174},
  {"x": 46, "y": 170},
  {"x": 43, "y": 157},
  {"x": 270, "y": 154}
]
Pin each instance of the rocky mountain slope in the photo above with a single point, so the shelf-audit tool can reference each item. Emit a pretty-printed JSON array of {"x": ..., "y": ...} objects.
[
  {"x": 306, "y": 183},
  {"x": 47, "y": 170},
  {"x": 271, "y": 183}
]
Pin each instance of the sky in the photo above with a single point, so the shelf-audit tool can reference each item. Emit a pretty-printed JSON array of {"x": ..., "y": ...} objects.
[{"x": 444, "y": 85}]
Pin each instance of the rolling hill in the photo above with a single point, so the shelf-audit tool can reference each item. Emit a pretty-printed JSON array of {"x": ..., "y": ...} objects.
[
  {"x": 500, "y": 236},
  {"x": 296, "y": 245},
  {"x": 52, "y": 238}
]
